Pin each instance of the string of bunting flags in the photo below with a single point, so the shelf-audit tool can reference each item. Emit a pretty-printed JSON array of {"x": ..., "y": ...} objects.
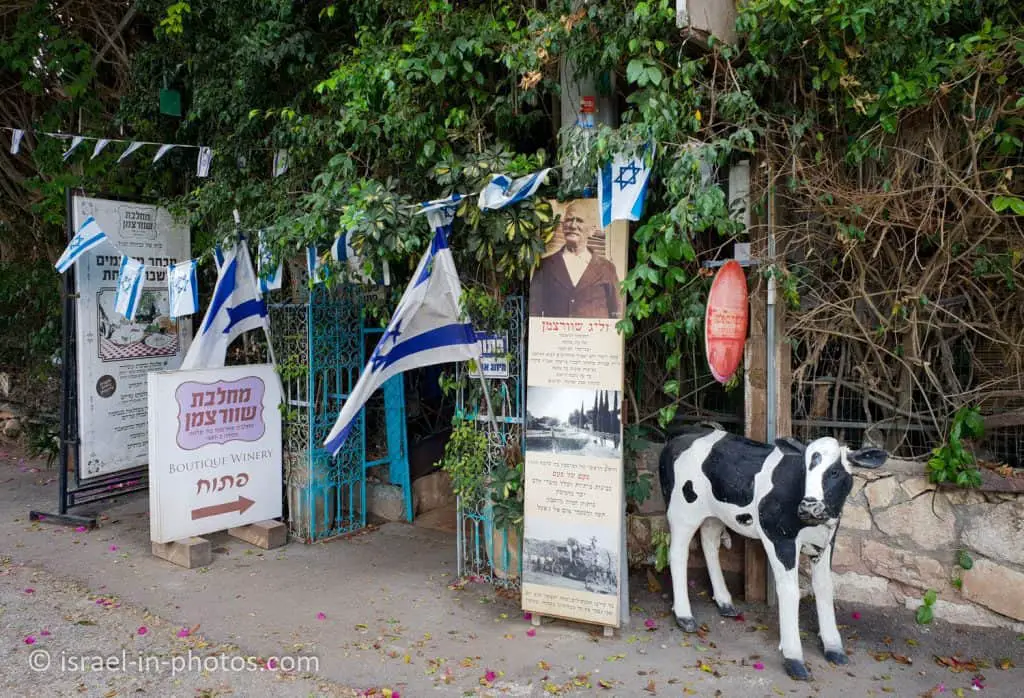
[
  {"x": 622, "y": 190},
  {"x": 205, "y": 154}
]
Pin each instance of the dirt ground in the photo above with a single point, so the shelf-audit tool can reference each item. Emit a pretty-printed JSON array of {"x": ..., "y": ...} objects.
[{"x": 383, "y": 613}]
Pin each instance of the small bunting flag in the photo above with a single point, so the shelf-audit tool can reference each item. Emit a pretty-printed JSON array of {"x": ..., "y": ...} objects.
[
  {"x": 183, "y": 288},
  {"x": 129, "y": 287}
]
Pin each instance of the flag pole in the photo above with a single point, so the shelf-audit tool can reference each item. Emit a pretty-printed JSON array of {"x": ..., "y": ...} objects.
[{"x": 487, "y": 400}]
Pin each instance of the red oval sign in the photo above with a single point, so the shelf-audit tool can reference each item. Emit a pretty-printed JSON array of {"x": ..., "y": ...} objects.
[{"x": 725, "y": 321}]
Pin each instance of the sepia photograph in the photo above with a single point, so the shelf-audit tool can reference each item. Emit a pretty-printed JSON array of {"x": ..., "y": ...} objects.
[
  {"x": 571, "y": 556},
  {"x": 578, "y": 277},
  {"x": 574, "y": 421}
]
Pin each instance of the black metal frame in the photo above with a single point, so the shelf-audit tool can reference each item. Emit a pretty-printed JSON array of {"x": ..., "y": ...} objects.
[{"x": 93, "y": 490}]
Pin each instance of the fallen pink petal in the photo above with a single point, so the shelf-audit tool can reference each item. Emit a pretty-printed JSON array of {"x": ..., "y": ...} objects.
[
  {"x": 650, "y": 624},
  {"x": 113, "y": 548},
  {"x": 30, "y": 590},
  {"x": 490, "y": 676},
  {"x": 271, "y": 663},
  {"x": 81, "y": 529},
  {"x": 143, "y": 630},
  {"x": 976, "y": 683},
  {"x": 527, "y": 616},
  {"x": 941, "y": 688},
  {"x": 531, "y": 632},
  {"x": 184, "y": 632},
  {"x": 29, "y": 640},
  {"x": 321, "y": 616},
  {"x": 855, "y": 615},
  {"x": 45, "y": 633},
  {"x": 758, "y": 666}
]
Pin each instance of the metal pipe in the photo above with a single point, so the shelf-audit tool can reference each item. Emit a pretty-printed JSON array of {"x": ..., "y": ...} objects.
[
  {"x": 770, "y": 367},
  {"x": 771, "y": 371}
]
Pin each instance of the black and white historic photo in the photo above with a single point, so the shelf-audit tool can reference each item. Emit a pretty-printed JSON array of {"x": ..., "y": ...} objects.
[
  {"x": 574, "y": 421},
  {"x": 580, "y": 557}
]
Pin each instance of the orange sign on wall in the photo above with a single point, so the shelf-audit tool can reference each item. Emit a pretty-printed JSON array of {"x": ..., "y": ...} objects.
[{"x": 725, "y": 321}]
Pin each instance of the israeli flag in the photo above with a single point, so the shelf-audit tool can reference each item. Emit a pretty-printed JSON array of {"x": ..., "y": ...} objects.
[
  {"x": 317, "y": 271},
  {"x": 129, "y": 287},
  {"x": 236, "y": 307},
  {"x": 343, "y": 253},
  {"x": 424, "y": 331},
  {"x": 272, "y": 281},
  {"x": 622, "y": 189},
  {"x": 502, "y": 191},
  {"x": 88, "y": 236},
  {"x": 183, "y": 288},
  {"x": 441, "y": 212}
]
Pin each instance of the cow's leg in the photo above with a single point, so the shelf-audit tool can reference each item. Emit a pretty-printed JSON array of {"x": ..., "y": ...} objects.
[
  {"x": 681, "y": 532},
  {"x": 821, "y": 581},
  {"x": 710, "y": 540},
  {"x": 787, "y": 589}
]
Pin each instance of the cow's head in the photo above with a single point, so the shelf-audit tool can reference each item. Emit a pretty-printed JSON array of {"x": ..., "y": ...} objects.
[{"x": 828, "y": 478}]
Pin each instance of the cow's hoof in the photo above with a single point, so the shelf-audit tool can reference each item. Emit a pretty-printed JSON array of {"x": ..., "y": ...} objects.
[
  {"x": 689, "y": 625},
  {"x": 836, "y": 657},
  {"x": 727, "y": 610},
  {"x": 797, "y": 670}
]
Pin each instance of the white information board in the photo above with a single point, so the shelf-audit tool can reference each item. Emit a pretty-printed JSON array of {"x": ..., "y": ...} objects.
[
  {"x": 214, "y": 450},
  {"x": 113, "y": 354}
]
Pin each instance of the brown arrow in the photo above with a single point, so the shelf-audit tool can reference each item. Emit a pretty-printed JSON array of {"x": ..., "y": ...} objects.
[{"x": 241, "y": 506}]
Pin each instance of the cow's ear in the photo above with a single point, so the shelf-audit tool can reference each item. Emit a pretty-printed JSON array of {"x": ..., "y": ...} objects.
[{"x": 868, "y": 458}]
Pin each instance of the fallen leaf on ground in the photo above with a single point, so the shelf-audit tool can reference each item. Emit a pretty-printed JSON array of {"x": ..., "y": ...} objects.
[{"x": 955, "y": 664}]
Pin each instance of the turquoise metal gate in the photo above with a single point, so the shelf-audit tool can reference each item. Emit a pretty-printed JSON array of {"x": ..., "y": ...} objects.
[
  {"x": 483, "y": 550},
  {"x": 320, "y": 342}
]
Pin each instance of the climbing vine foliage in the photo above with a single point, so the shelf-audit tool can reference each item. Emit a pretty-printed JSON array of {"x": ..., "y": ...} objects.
[{"x": 886, "y": 135}]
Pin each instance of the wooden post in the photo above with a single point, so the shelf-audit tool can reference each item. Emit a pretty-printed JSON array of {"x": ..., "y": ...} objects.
[{"x": 756, "y": 573}]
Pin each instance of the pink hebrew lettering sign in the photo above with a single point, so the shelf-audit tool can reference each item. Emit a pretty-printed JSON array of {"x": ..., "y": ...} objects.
[{"x": 216, "y": 413}]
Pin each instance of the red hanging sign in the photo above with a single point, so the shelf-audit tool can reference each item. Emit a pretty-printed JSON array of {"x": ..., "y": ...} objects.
[{"x": 725, "y": 321}]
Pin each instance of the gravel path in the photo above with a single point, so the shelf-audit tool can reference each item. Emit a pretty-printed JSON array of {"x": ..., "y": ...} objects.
[{"x": 61, "y": 639}]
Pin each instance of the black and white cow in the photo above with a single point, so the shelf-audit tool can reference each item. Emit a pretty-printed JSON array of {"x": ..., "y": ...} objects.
[{"x": 787, "y": 495}]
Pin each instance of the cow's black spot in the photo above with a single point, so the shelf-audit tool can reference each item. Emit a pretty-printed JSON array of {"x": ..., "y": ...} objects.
[
  {"x": 667, "y": 461},
  {"x": 744, "y": 519},
  {"x": 688, "y": 494},
  {"x": 836, "y": 485},
  {"x": 731, "y": 467},
  {"x": 777, "y": 510}
]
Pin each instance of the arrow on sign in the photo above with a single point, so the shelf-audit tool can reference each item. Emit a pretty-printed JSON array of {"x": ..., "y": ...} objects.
[{"x": 241, "y": 506}]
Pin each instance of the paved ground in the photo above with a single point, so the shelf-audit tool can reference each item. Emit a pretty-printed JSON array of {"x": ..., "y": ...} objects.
[{"x": 383, "y": 610}]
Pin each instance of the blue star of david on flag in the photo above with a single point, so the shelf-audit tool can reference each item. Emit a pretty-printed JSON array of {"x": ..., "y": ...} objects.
[
  {"x": 426, "y": 329},
  {"x": 129, "y": 287},
  {"x": 88, "y": 236},
  {"x": 236, "y": 307},
  {"x": 183, "y": 288},
  {"x": 622, "y": 189}
]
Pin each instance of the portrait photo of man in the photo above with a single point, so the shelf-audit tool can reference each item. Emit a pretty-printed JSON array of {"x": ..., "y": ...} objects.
[{"x": 577, "y": 280}]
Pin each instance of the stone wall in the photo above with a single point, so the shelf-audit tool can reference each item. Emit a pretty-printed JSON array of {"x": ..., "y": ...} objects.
[{"x": 900, "y": 537}]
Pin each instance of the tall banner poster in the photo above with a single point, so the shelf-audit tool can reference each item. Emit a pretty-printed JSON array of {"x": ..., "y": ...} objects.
[
  {"x": 572, "y": 533},
  {"x": 115, "y": 354}
]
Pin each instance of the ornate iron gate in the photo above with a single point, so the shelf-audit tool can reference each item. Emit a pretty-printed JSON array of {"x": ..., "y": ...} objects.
[
  {"x": 320, "y": 345},
  {"x": 484, "y": 551}
]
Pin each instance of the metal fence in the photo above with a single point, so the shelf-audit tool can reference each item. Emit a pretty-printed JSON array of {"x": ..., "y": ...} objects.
[{"x": 483, "y": 550}]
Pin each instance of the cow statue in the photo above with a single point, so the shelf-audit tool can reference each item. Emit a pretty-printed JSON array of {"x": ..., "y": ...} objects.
[{"x": 787, "y": 495}]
